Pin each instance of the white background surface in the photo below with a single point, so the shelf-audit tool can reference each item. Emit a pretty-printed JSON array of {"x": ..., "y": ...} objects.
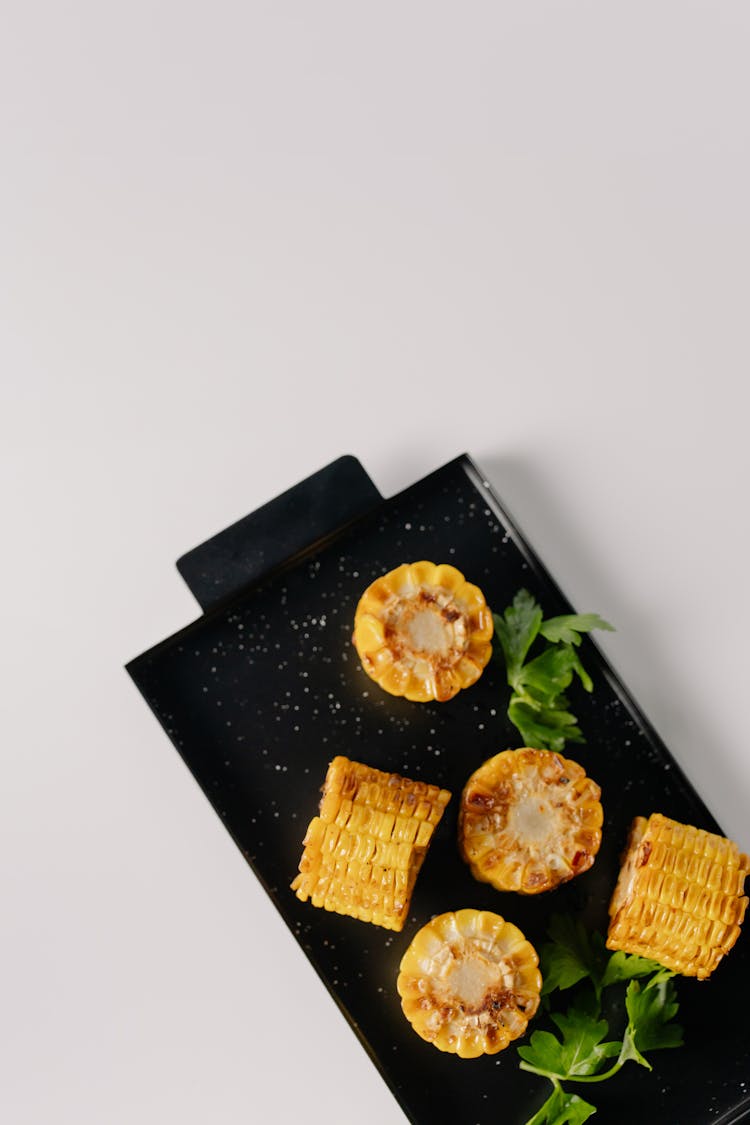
[{"x": 238, "y": 240}]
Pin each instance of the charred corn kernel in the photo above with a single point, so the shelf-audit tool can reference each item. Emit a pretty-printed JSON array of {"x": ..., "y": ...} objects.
[
  {"x": 679, "y": 897},
  {"x": 363, "y": 852},
  {"x": 529, "y": 820},
  {"x": 469, "y": 983},
  {"x": 422, "y": 631}
]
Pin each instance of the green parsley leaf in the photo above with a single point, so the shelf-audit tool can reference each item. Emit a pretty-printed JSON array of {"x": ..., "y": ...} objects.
[
  {"x": 628, "y": 966},
  {"x": 543, "y": 1055},
  {"x": 569, "y": 956},
  {"x": 549, "y": 675},
  {"x": 542, "y": 727},
  {"x": 579, "y": 1052},
  {"x": 651, "y": 1010},
  {"x": 573, "y": 953},
  {"x": 516, "y": 630},
  {"x": 583, "y": 1046},
  {"x": 569, "y": 627},
  {"x": 575, "y": 958},
  {"x": 538, "y": 706},
  {"x": 562, "y": 1108}
]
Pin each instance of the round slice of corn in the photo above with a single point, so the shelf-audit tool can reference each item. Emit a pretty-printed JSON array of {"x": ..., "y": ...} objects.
[
  {"x": 529, "y": 820},
  {"x": 423, "y": 631},
  {"x": 469, "y": 983}
]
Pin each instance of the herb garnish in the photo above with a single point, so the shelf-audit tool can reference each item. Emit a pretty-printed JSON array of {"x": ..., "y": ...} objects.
[
  {"x": 538, "y": 706},
  {"x": 575, "y": 959}
]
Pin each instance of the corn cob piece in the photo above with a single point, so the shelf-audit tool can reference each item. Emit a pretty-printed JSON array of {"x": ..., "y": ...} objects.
[
  {"x": 529, "y": 820},
  {"x": 469, "y": 983},
  {"x": 363, "y": 852},
  {"x": 422, "y": 631},
  {"x": 678, "y": 899}
]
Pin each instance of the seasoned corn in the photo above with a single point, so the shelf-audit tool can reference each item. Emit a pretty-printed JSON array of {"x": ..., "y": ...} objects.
[
  {"x": 678, "y": 899},
  {"x": 469, "y": 983},
  {"x": 529, "y": 820},
  {"x": 363, "y": 852},
  {"x": 422, "y": 631}
]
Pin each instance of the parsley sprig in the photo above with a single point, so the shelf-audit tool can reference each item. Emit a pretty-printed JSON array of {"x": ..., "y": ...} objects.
[
  {"x": 582, "y": 1051},
  {"x": 538, "y": 706}
]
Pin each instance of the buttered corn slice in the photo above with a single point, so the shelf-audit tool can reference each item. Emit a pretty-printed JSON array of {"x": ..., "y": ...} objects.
[
  {"x": 363, "y": 852},
  {"x": 422, "y": 631},
  {"x": 529, "y": 820},
  {"x": 679, "y": 897},
  {"x": 469, "y": 983}
]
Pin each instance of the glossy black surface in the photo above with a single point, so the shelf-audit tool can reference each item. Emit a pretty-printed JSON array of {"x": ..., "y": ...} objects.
[
  {"x": 243, "y": 553},
  {"x": 262, "y": 691}
]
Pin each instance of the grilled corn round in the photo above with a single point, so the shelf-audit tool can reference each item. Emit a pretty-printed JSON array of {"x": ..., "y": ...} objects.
[
  {"x": 469, "y": 983},
  {"x": 529, "y": 820},
  {"x": 422, "y": 631}
]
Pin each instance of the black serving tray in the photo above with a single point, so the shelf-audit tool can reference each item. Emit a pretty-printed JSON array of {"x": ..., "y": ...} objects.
[{"x": 265, "y": 688}]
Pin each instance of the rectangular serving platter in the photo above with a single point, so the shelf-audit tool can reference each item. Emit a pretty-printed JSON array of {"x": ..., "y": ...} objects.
[{"x": 262, "y": 690}]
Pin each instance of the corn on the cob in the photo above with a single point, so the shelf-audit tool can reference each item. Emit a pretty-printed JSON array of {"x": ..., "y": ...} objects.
[
  {"x": 529, "y": 820},
  {"x": 678, "y": 898},
  {"x": 469, "y": 983},
  {"x": 363, "y": 852},
  {"x": 424, "y": 632}
]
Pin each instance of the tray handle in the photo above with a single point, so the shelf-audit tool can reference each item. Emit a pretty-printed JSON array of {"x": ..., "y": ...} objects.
[{"x": 243, "y": 553}]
